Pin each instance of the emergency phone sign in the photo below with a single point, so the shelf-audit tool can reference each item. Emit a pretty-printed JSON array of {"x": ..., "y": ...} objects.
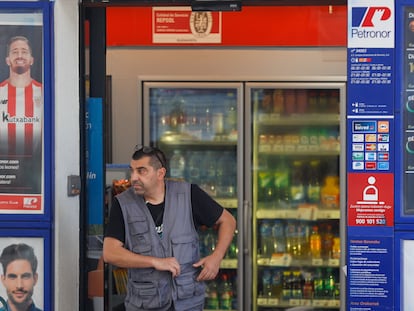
[{"x": 370, "y": 201}]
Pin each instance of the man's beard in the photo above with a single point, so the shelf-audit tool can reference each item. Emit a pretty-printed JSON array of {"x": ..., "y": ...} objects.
[
  {"x": 20, "y": 69},
  {"x": 23, "y": 304}
]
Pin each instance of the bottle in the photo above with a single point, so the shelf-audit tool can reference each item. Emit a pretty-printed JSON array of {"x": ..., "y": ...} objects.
[
  {"x": 291, "y": 238},
  {"x": 177, "y": 165},
  {"x": 208, "y": 173},
  {"x": 315, "y": 242},
  {"x": 212, "y": 299},
  {"x": 318, "y": 285},
  {"x": 278, "y": 234},
  {"x": 278, "y": 102},
  {"x": 297, "y": 187},
  {"x": 266, "y": 188},
  {"x": 329, "y": 284},
  {"x": 266, "y": 241},
  {"x": 207, "y": 125},
  {"x": 177, "y": 115},
  {"x": 267, "y": 283},
  {"x": 290, "y": 101},
  {"x": 231, "y": 116},
  {"x": 226, "y": 293},
  {"x": 277, "y": 284},
  {"x": 327, "y": 242},
  {"x": 336, "y": 248},
  {"x": 209, "y": 241},
  {"x": 330, "y": 192},
  {"x": 307, "y": 290},
  {"x": 193, "y": 168},
  {"x": 281, "y": 184},
  {"x": 296, "y": 285},
  {"x": 314, "y": 188},
  {"x": 286, "y": 285},
  {"x": 302, "y": 240},
  {"x": 226, "y": 171}
]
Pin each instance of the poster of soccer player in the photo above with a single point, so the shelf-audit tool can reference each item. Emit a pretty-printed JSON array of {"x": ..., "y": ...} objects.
[{"x": 21, "y": 113}]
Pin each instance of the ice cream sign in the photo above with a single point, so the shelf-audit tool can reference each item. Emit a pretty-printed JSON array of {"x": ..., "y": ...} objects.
[{"x": 370, "y": 199}]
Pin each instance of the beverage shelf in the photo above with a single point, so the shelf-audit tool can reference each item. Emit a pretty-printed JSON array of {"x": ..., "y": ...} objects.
[
  {"x": 227, "y": 202},
  {"x": 279, "y": 303},
  {"x": 306, "y": 212},
  {"x": 285, "y": 260},
  {"x": 228, "y": 264},
  {"x": 298, "y": 119}
]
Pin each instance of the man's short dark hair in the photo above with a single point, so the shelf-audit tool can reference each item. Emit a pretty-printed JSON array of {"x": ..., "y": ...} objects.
[
  {"x": 18, "y": 251},
  {"x": 17, "y": 38}
]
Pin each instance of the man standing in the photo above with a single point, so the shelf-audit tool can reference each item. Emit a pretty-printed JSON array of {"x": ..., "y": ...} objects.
[
  {"x": 21, "y": 118},
  {"x": 152, "y": 231},
  {"x": 19, "y": 277}
]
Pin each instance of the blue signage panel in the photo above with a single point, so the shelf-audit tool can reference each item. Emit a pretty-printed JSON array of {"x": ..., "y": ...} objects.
[
  {"x": 370, "y": 155},
  {"x": 95, "y": 166}
]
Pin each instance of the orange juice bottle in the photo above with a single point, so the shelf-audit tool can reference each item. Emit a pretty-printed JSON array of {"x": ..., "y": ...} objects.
[{"x": 330, "y": 192}]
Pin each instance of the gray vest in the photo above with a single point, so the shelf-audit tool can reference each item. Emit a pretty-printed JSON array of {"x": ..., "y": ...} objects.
[{"x": 149, "y": 289}]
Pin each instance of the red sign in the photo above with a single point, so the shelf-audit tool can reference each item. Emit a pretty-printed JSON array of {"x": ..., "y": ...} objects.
[
  {"x": 21, "y": 203},
  {"x": 370, "y": 199}
]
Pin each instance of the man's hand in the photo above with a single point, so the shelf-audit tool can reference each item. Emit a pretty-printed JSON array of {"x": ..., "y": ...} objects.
[
  {"x": 210, "y": 267},
  {"x": 167, "y": 264}
]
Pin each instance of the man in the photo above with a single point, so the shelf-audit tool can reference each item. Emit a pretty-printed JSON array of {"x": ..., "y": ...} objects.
[
  {"x": 152, "y": 231},
  {"x": 19, "y": 277},
  {"x": 21, "y": 110}
]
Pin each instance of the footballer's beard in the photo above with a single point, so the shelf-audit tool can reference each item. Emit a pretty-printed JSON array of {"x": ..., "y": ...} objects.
[
  {"x": 20, "y": 69},
  {"x": 21, "y": 304}
]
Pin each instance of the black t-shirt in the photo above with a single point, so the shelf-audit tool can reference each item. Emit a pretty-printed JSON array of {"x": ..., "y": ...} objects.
[{"x": 206, "y": 212}]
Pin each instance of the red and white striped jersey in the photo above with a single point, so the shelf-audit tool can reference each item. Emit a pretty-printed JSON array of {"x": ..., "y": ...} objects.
[{"x": 21, "y": 118}]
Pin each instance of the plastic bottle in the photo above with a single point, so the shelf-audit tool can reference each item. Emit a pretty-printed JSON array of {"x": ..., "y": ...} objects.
[
  {"x": 226, "y": 293},
  {"x": 278, "y": 101},
  {"x": 212, "y": 298},
  {"x": 277, "y": 283},
  {"x": 297, "y": 187},
  {"x": 226, "y": 171},
  {"x": 208, "y": 173},
  {"x": 278, "y": 234},
  {"x": 281, "y": 184},
  {"x": 267, "y": 283},
  {"x": 336, "y": 248},
  {"x": 194, "y": 167},
  {"x": 266, "y": 240},
  {"x": 209, "y": 241},
  {"x": 296, "y": 285},
  {"x": 307, "y": 290},
  {"x": 291, "y": 238},
  {"x": 302, "y": 240},
  {"x": 315, "y": 243},
  {"x": 177, "y": 165},
  {"x": 178, "y": 117},
  {"x": 231, "y": 115},
  {"x": 327, "y": 242},
  {"x": 287, "y": 285},
  {"x": 318, "y": 285},
  {"x": 330, "y": 193},
  {"x": 314, "y": 188},
  {"x": 329, "y": 284}
]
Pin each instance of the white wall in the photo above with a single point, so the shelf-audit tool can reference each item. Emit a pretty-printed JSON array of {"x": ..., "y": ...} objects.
[
  {"x": 130, "y": 65},
  {"x": 66, "y": 209}
]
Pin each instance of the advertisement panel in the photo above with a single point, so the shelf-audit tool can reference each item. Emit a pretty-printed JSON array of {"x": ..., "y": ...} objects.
[
  {"x": 21, "y": 112},
  {"x": 370, "y": 152}
]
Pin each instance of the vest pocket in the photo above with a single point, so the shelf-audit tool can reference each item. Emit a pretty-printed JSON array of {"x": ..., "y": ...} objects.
[
  {"x": 185, "y": 249},
  {"x": 149, "y": 295},
  {"x": 188, "y": 287},
  {"x": 138, "y": 230}
]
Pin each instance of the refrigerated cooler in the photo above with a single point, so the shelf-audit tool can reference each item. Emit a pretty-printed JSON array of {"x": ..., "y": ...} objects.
[{"x": 270, "y": 154}]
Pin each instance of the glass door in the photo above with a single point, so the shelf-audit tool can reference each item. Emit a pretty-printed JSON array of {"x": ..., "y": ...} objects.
[{"x": 197, "y": 126}]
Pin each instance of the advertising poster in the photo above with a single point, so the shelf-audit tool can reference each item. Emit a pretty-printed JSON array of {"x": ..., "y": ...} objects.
[
  {"x": 21, "y": 113},
  {"x": 180, "y": 25},
  {"x": 22, "y": 257}
]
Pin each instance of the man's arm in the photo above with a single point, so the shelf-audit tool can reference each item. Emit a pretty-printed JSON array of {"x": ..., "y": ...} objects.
[
  {"x": 115, "y": 254},
  {"x": 211, "y": 264}
]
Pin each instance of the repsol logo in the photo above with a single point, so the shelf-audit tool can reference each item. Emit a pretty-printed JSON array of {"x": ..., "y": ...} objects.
[{"x": 364, "y": 19}]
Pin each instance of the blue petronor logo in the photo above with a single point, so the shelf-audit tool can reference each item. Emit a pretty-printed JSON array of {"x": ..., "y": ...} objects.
[{"x": 370, "y": 16}]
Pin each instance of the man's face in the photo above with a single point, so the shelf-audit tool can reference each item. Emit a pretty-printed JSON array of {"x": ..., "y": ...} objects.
[
  {"x": 19, "y": 59},
  {"x": 144, "y": 177},
  {"x": 19, "y": 282}
]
